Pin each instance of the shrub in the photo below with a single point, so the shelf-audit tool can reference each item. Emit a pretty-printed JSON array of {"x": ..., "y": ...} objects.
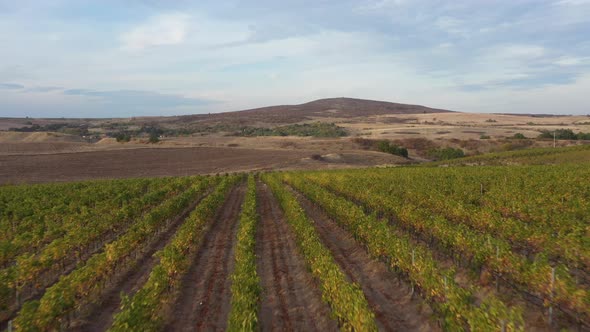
[
  {"x": 122, "y": 137},
  {"x": 559, "y": 134},
  {"x": 154, "y": 138},
  {"x": 387, "y": 147},
  {"x": 382, "y": 146},
  {"x": 519, "y": 136},
  {"x": 446, "y": 153}
]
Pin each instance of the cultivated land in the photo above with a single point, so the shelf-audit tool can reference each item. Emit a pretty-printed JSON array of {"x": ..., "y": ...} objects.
[
  {"x": 298, "y": 233},
  {"x": 231, "y": 142},
  {"x": 414, "y": 249}
]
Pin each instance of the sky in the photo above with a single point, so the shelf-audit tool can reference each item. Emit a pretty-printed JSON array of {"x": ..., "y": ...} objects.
[{"x": 117, "y": 58}]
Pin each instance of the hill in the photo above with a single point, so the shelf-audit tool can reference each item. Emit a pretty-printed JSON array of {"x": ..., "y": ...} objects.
[{"x": 321, "y": 108}]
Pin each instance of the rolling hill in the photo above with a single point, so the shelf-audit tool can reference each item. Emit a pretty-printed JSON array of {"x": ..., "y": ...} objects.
[{"x": 321, "y": 108}]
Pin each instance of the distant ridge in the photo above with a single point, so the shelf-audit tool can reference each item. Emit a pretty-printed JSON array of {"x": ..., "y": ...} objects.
[{"x": 330, "y": 107}]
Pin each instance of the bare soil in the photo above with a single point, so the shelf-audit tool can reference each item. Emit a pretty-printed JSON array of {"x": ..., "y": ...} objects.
[
  {"x": 291, "y": 300},
  {"x": 49, "y": 278},
  {"x": 139, "y": 163},
  {"x": 204, "y": 301},
  {"x": 389, "y": 298},
  {"x": 100, "y": 316}
]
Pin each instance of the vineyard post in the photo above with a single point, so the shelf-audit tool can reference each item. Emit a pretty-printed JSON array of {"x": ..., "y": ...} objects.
[
  {"x": 413, "y": 260},
  {"x": 16, "y": 292},
  {"x": 497, "y": 277},
  {"x": 503, "y": 325},
  {"x": 551, "y": 295},
  {"x": 9, "y": 329}
]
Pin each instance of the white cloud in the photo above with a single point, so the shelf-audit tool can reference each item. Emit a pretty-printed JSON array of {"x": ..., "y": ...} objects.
[
  {"x": 569, "y": 61},
  {"x": 380, "y": 4},
  {"x": 516, "y": 52},
  {"x": 572, "y": 2},
  {"x": 450, "y": 25},
  {"x": 167, "y": 29}
]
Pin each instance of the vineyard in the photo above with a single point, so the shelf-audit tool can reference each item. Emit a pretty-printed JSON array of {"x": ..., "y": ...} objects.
[{"x": 487, "y": 248}]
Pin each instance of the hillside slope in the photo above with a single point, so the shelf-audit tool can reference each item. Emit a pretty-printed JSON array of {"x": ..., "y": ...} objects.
[{"x": 328, "y": 108}]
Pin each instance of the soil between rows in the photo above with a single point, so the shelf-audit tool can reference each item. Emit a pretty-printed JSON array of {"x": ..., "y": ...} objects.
[
  {"x": 100, "y": 316},
  {"x": 204, "y": 301},
  {"x": 391, "y": 301},
  {"x": 37, "y": 293},
  {"x": 290, "y": 299}
]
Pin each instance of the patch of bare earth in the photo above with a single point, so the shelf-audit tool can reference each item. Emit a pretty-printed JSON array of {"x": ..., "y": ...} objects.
[
  {"x": 291, "y": 301},
  {"x": 204, "y": 300},
  {"x": 142, "y": 162},
  {"x": 389, "y": 298}
]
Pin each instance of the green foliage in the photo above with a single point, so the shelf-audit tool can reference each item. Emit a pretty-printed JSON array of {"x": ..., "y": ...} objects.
[
  {"x": 245, "y": 287},
  {"x": 445, "y": 153},
  {"x": 154, "y": 138},
  {"x": 460, "y": 208},
  {"x": 564, "y": 134},
  {"x": 346, "y": 299},
  {"x": 122, "y": 137},
  {"x": 87, "y": 281},
  {"x": 66, "y": 221},
  {"x": 388, "y": 147},
  {"x": 519, "y": 136},
  {"x": 143, "y": 312},
  {"x": 316, "y": 129},
  {"x": 415, "y": 260},
  {"x": 484, "y": 137},
  {"x": 382, "y": 146},
  {"x": 535, "y": 156}
]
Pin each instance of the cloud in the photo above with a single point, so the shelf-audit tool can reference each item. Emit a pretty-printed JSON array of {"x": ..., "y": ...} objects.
[
  {"x": 137, "y": 98},
  {"x": 450, "y": 25},
  {"x": 11, "y": 86},
  {"x": 166, "y": 29},
  {"x": 261, "y": 52},
  {"x": 44, "y": 89},
  {"x": 569, "y": 61},
  {"x": 524, "y": 81},
  {"x": 380, "y": 4},
  {"x": 96, "y": 103},
  {"x": 517, "y": 51},
  {"x": 572, "y": 2}
]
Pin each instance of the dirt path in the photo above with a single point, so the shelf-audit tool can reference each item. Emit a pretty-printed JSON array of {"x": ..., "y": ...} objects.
[
  {"x": 290, "y": 299},
  {"x": 203, "y": 303},
  {"x": 100, "y": 316},
  {"x": 395, "y": 309}
]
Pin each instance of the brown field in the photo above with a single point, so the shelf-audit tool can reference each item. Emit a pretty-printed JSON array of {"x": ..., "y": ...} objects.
[
  {"x": 50, "y": 156},
  {"x": 170, "y": 161}
]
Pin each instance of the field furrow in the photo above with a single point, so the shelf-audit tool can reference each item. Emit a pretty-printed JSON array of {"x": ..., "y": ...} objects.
[
  {"x": 290, "y": 297},
  {"x": 204, "y": 301},
  {"x": 392, "y": 301},
  {"x": 100, "y": 316}
]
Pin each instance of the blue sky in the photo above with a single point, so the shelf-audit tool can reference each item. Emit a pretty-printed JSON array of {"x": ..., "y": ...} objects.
[{"x": 108, "y": 58}]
